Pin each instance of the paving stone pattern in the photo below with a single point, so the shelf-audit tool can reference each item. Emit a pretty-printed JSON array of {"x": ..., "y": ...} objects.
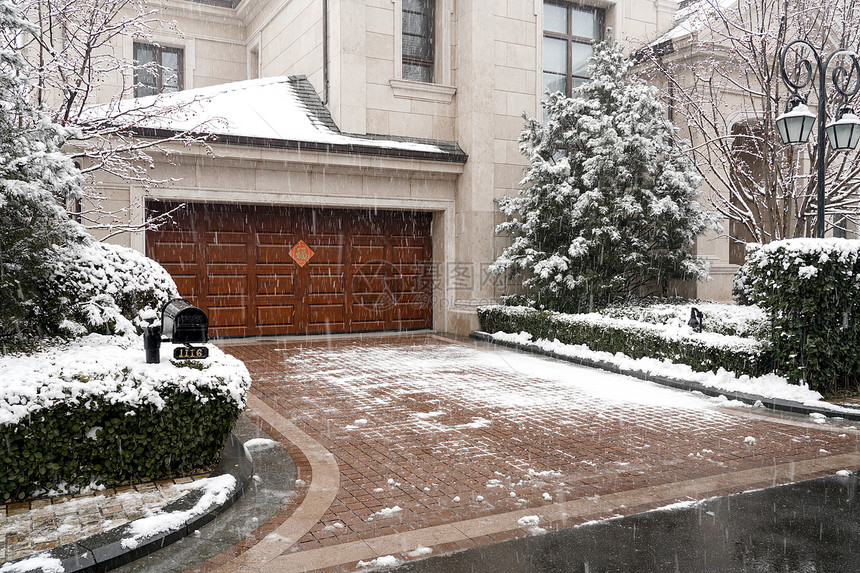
[
  {"x": 42, "y": 524},
  {"x": 429, "y": 431}
]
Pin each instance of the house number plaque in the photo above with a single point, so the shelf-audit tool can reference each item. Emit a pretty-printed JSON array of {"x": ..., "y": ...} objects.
[{"x": 190, "y": 353}]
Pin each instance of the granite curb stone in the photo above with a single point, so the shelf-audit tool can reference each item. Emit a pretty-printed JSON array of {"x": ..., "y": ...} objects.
[
  {"x": 104, "y": 551},
  {"x": 777, "y": 404}
]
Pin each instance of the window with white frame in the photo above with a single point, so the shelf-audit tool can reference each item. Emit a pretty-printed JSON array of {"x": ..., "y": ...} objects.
[
  {"x": 570, "y": 31},
  {"x": 418, "y": 40},
  {"x": 158, "y": 69}
]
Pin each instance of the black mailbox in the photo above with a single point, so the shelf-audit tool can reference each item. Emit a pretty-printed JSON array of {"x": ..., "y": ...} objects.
[{"x": 184, "y": 323}]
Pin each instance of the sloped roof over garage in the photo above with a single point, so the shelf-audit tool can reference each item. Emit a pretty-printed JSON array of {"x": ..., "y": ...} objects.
[{"x": 276, "y": 112}]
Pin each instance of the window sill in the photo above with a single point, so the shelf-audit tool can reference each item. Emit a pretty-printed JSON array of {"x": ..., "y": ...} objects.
[{"x": 423, "y": 91}]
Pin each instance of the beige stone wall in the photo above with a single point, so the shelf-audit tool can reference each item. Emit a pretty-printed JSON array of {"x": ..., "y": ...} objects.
[{"x": 287, "y": 35}]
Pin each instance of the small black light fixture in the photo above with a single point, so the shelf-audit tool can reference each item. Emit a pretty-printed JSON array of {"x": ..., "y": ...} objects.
[
  {"x": 795, "y": 124},
  {"x": 844, "y": 133}
]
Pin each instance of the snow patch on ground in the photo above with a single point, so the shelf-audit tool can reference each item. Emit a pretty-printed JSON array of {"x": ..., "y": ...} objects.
[
  {"x": 420, "y": 551},
  {"x": 389, "y": 511},
  {"x": 260, "y": 444},
  {"x": 40, "y": 562},
  {"x": 769, "y": 385},
  {"x": 386, "y": 561},
  {"x": 216, "y": 491}
]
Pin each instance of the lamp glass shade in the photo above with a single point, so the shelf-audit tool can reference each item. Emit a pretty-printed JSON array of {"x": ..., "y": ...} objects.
[
  {"x": 794, "y": 126},
  {"x": 844, "y": 133}
]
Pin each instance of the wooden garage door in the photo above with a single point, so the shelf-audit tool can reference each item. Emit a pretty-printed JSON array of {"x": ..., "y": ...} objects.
[{"x": 369, "y": 270}]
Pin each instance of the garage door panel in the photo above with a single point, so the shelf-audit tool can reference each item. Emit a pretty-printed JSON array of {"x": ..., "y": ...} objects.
[
  {"x": 227, "y": 252},
  {"x": 223, "y": 316},
  {"x": 407, "y": 254},
  {"x": 368, "y": 284},
  {"x": 368, "y": 254},
  {"x": 275, "y": 223},
  {"x": 325, "y": 254},
  {"x": 275, "y": 315},
  {"x": 275, "y": 284},
  {"x": 369, "y": 311},
  {"x": 326, "y": 284},
  {"x": 274, "y": 254},
  {"x": 233, "y": 261},
  {"x": 180, "y": 252},
  {"x": 228, "y": 285},
  {"x": 225, "y": 219},
  {"x": 186, "y": 284},
  {"x": 326, "y": 314}
]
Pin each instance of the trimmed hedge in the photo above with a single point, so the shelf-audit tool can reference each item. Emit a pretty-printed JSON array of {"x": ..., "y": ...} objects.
[
  {"x": 637, "y": 340},
  {"x": 811, "y": 290},
  {"x": 111, "y": 443}
]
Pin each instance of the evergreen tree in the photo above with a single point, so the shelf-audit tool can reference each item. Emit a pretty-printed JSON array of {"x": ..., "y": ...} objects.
[
  {"x": 36, "y": 179},
  {"x": 607, "y": 207}
]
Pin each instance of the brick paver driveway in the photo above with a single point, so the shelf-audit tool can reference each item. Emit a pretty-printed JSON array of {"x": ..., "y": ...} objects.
[{"x": 417, "y": 443}]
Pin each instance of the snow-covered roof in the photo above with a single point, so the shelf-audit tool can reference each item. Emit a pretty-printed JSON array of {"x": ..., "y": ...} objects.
[
  {"x": 273, "y": 112},
  {"x": 691, "y": 18}
]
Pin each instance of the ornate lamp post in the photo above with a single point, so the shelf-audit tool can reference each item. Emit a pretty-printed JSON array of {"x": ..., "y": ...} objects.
[{"x": 796, "y": 123}]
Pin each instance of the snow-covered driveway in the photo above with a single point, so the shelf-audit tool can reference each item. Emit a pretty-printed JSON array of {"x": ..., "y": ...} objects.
[{"x": 429, "y": 431}]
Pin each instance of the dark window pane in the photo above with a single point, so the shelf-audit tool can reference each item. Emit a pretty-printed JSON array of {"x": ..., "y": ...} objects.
[
  {"x": 417, "y": 72},
  {"x": 417, "y": 47},
  {"x": 420, "y": 6},
  {"x": 554, "y": 83},
  {"x": 570, "y": 31},
  {"x": 555, "y": 18},
  {"x": 579, "y": 58},
  {"x": 585, "y": 24},
  {"x": 555, "y": 55},
  {"x": 157, "y": 69},
  {"x": 416, "y": 24}
]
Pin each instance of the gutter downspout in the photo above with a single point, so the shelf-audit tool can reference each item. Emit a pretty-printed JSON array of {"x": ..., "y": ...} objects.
[{"x": 325, "y": 51}]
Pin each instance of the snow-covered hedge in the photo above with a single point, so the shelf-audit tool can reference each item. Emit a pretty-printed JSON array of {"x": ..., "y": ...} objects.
[
  {"x": 703, "y": 351},
  {"x": 810, "y": 288},
  {"x": 92, "y": 411},
  {"x": 719, "y": 318}
]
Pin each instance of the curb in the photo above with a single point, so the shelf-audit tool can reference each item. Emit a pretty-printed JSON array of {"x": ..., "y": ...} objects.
[
  {"x": 104, "y": 551},
  {"x": 777, "y": 404}
]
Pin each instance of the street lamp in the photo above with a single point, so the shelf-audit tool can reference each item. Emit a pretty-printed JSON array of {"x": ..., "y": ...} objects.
[{"x": 795, "y": 124}]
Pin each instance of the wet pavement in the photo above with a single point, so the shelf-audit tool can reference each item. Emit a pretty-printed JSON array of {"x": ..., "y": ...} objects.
[
  {"x": 417, "y": 445},
  {"x": 811, "y": 526},
  {"x": 272, "y": 487},
  {"x": 423, "y": 450}
]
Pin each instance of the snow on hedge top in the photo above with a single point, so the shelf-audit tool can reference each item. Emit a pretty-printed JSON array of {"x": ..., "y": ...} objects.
[
  {"x": 112, "y": 368},
  {"x": 667, "y": 331},
  {"x": 266, "y": 108}
]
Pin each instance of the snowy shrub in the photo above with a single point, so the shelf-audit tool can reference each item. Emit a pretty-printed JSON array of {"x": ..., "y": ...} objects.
[
  {"x": 741, "y": 288},
  {"x": 705, "y": 351},
  {"x": 94, "y": 412},
  {"x": 606, "y": 209},
  {"x": 93, "y": 287},
  {"x": 810, "y": 289},
  {"x": 108, "y": 287}
]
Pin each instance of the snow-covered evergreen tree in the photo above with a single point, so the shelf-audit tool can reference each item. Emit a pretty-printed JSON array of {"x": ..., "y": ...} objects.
[
  {"x": 36, "y": 179},
  {"x": 607, "y": 208}
]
